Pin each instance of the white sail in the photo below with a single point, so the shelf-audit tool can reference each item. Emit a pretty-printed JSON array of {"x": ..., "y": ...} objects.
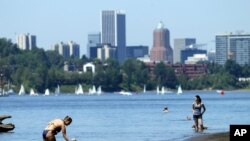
[
  {"x": 57, "y": 91},
  {"x": 79, "y": 90},
  {"x": 144, "y": 89},
  {"x": 93, "y": 90},
  {"x": 47, "y": 92},
  {"x": 179, "y": 90},
  {"x": 32, "y": 92},
  {"x": 157, "y": 90},
  {"x": 99, "y": 90},
  {"x": 162, "y": 90},
  {"x": 22, "y": 90}
]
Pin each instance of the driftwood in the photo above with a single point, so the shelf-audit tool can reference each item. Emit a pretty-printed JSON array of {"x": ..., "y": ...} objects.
[{"x": 6, "y": 127}]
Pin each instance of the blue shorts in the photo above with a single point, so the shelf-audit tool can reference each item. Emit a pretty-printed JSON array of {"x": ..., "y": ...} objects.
[{"x": 197, "y": 116}]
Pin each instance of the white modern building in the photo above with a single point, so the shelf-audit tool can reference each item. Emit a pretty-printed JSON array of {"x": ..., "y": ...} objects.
[
  {"x": 89, "y": 66},
  {"x": 26, "y": 41}
]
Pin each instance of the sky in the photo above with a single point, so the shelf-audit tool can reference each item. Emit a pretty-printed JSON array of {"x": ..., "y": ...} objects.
[{"x": 53, "y": 21}]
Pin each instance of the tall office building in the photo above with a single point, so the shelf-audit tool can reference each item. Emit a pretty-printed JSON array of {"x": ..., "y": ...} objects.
[
  {"x": 181, "y": 44},
  {"x": 26, "y": 41},
  {"x": 161, "y": 50},
  {"x": 233, "y": 46},
  {"x": 94, "y": 39},
  {"x": 74, "y": 49},
  {"x": 113, "y": 31}
]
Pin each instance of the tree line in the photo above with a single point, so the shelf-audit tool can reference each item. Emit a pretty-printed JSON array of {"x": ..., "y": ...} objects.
[{"x": 39, "y": 69}]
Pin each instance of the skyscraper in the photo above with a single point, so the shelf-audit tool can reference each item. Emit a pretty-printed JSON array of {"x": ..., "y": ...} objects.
[
  {"x": 113, "y": 31},
  {"x": 161, "y": 50},
  {"x": 181, "y": 44},
  {"x": 233, "y": 46},
  {"x": 26, "y": 41}
]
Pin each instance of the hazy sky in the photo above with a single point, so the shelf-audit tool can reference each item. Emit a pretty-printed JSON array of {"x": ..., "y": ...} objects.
[{"x": 53, "y": 21}]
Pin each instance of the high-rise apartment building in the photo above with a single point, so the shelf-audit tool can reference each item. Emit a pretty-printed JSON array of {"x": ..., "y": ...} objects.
[
  {"x": 181, "y": 44},
  {"x": 67, "y": 50},
  {"x": 74, "y": 49},
  {"x": 113, "y": 31},
  {"x": 233, "y": 46},
  {"x": 106, "y": 52},
  {"x": 161, "y": 50},
  {"x": 26, "y": 41}
]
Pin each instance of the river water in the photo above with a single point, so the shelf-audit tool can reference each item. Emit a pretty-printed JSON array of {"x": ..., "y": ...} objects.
[{"x": 114, "y": 117}]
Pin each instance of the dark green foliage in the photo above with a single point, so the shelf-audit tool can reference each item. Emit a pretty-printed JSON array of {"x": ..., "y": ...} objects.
[{"x": 165, "y": 76}]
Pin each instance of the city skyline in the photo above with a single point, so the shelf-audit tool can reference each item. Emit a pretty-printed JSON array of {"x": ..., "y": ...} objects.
[{"x": 56, "y": 21}]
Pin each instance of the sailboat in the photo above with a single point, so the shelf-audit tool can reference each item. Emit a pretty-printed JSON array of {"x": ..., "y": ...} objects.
[
  {"x": 22, "y": 90},
  {"x": 57, "y": 91},
  {"x": 162, "y": 90},
  {"x": 10, "y": 90},
  {"x": 32, "y": 92},
  {"x": 179, "y": 91},
  {"x": 157, "y": 90},
  {"x": 99, "y": 90},
  {"x": 79, "y": 90},
  {"x": 93, "y": 90},
  {"x": 144, "y": 89},
  {"x": 47, "y": 92}
]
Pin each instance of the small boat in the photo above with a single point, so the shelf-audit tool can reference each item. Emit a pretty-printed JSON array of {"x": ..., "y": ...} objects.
[
  {"x": 57, "y": 91},
  {"x": 6, "y": 127},
  {"x": 22, "y": 90},
  {"x": 144, "y": 89},
  {"x": 179, "y": 90},
  {"x": 79, "y": 89},
  {"x": 157, "y": 90},
  {"x": 32, "y": 92},
  {"x": 220, "y": 92},
  {"x": 165, "y": 109},
  {"x": 47, "y": 92},
  {"x": 3, "y": 93},
  {"x": 125, "y": 93},
  {"x": 99, "y": 90}
]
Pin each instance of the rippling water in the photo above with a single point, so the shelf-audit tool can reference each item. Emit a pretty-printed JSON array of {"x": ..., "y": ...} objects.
[{"x": 113, "y": 117}]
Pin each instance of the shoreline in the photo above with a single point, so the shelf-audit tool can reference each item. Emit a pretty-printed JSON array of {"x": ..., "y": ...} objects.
[{"x": 222, "y": 136}]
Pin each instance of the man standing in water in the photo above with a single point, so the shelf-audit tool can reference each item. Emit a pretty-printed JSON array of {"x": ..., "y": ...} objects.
[
  {"x": 198, "y": 109},
  {"x": 54, "y": 127}
]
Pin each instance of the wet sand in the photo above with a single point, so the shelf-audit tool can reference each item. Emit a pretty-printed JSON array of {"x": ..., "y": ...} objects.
[{"x": 211, "y": 137}]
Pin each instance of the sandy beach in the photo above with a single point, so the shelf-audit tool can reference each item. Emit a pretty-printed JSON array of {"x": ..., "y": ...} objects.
[{"x": 211, "y": 137}]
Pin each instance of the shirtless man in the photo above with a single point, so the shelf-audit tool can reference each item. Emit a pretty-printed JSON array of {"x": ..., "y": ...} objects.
[{"x": 54, "y": 127}]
